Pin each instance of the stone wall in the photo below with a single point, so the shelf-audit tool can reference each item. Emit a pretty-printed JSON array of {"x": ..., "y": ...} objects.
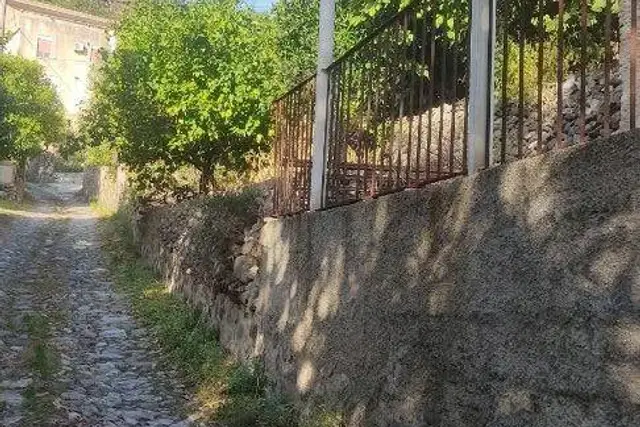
[
  {"x": 105, "y": 185},
  {"x": 507, "y": 298},
  {"x": 7, "y": 173},
  {"x": 208, "y": 250}
]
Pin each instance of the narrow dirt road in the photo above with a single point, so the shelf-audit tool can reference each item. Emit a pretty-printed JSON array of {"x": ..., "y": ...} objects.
[{"x": 70, "y": 352}]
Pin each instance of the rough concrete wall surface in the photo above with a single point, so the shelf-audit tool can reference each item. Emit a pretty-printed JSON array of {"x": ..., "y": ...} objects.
[{"x": 508, "y": 298}]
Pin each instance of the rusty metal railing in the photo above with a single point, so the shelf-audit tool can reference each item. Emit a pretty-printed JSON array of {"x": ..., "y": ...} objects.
[
  {"x": 397, "y": 111},
  {"x": 398, "y": 106},
  {"x": 557, "y": 78},
  {"x": 292, "y": 120}
]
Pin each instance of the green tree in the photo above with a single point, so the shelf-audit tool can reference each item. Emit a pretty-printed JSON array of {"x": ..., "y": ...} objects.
[
  {"x": 189, "y": 84},
  {"x": 297, "y": 29},
  {"x": 32, "y": 115}
]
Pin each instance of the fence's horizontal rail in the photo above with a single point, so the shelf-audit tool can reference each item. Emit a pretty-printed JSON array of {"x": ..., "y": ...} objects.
[{"x": 301, "y": 84}]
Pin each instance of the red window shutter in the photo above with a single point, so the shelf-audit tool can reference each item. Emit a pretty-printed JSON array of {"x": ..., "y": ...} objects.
[{"x": 45, "y": 48}]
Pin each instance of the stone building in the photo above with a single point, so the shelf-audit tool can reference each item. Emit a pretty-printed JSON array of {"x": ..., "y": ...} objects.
[{"x": 64, "y": 41}]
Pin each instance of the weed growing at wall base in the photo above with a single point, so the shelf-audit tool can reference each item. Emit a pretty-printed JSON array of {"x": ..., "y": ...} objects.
[
  {"x": 10, "y": 205},
  {"x": 224, "y": 390}
]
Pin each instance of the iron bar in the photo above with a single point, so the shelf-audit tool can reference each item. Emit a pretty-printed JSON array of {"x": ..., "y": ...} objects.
[
  {"x": 607, "y": 69},
  {"x": 454, "y": 98},
  {"x": 505, "y": 81},
  {"x": 466, "y": 98},
  {"x": 443, "y": 73},
  {"x": 560, "y": 76},
  {"x": 583, "y": 70},
  {"x": 432, "y": 67},
  {"x": 421, "y": 100},
  {"x": 632, "y": 66},
  {"x": 521, "y": 44},
  {"x": 412, "y": 85},
  {"x": 540, "y": 75},
  {"x": 376, "y": 109}
]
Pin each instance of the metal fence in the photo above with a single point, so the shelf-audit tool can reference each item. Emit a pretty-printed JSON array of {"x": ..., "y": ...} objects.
[
  {"x": 398, "y": 101},
  {"x": 557, "y": 74},
  {"x": 292, "y": 117},
  {"x": 397, "y": 115}
]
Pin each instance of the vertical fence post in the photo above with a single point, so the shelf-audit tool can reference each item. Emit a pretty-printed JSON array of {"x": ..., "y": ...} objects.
[
  {"x": 481, "y": 68},
  {"x": 3, "y": 11},
  {"x": 325, "y": 57},
  {"x": 630, "y": 116}
]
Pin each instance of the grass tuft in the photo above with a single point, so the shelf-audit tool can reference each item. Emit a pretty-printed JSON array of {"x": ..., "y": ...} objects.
[
  {"x": 10, "y": 205},
  {"x": 43, "y": 361},
  {"x": 101, "y": 210}
]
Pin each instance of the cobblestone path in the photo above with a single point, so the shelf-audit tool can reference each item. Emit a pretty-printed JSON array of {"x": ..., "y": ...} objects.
[{"x": 70, "y": 352}]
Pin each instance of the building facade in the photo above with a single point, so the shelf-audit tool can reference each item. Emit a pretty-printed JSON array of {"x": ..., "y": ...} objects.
[{"x": 67, "y": 43}]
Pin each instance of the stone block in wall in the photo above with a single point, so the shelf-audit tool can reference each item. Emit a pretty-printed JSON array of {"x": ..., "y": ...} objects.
[
  {"x": 90, "y": 183},
  {"x": 196, "y": 245}
]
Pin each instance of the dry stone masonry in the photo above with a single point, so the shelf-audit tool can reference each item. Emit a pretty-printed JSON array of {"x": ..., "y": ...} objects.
[{"x": 594, "y": 115}]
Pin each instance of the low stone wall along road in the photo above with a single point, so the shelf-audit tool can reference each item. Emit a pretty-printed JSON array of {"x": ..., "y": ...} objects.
[{"x": 70, "y": 351}]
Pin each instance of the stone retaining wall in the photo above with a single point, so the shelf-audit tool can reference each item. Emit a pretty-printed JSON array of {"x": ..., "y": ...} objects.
[
  {"x": 507, "y": 298},
  {"x": 200, "y": 248}
]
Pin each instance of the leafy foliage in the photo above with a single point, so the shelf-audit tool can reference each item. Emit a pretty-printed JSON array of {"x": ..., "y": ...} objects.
[
  {"x": 297, "y": 25},
  {"x": 189, "y": 84},
  {"x": 32, "y": 115},
  {"x": 297, "y": 22}
]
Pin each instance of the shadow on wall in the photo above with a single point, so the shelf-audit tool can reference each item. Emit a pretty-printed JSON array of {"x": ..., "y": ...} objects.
[{"x": 507, "y": 298}]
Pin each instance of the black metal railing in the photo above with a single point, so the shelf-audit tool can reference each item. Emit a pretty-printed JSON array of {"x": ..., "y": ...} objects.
[
  {"x": 292, "y": 118},
  {"x": 397, "y": 110},
  {"x": 557, "y": 78}
]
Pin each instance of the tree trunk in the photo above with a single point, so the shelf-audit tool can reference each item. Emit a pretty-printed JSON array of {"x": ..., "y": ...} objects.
[
  {"x": 21, "y": 173},
  {"x": 206, "y": 179}
]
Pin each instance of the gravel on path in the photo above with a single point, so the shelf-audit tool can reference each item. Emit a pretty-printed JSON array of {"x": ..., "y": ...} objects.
[{"x": 71, "y": 353}]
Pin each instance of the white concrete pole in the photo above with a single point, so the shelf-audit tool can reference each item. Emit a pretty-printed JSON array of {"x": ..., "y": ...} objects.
[
  {"x": 325, "y": 58},
  {"x": 481, "y": 102}
]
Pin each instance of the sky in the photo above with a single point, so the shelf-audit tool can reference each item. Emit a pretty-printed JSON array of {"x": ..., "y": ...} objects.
[{"x": 261, "y": 5}]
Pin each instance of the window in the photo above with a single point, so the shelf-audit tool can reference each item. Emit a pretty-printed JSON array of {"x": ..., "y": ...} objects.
[
  {"x": 45, "y": 48},
  {"x": 81, "y": 48}
]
